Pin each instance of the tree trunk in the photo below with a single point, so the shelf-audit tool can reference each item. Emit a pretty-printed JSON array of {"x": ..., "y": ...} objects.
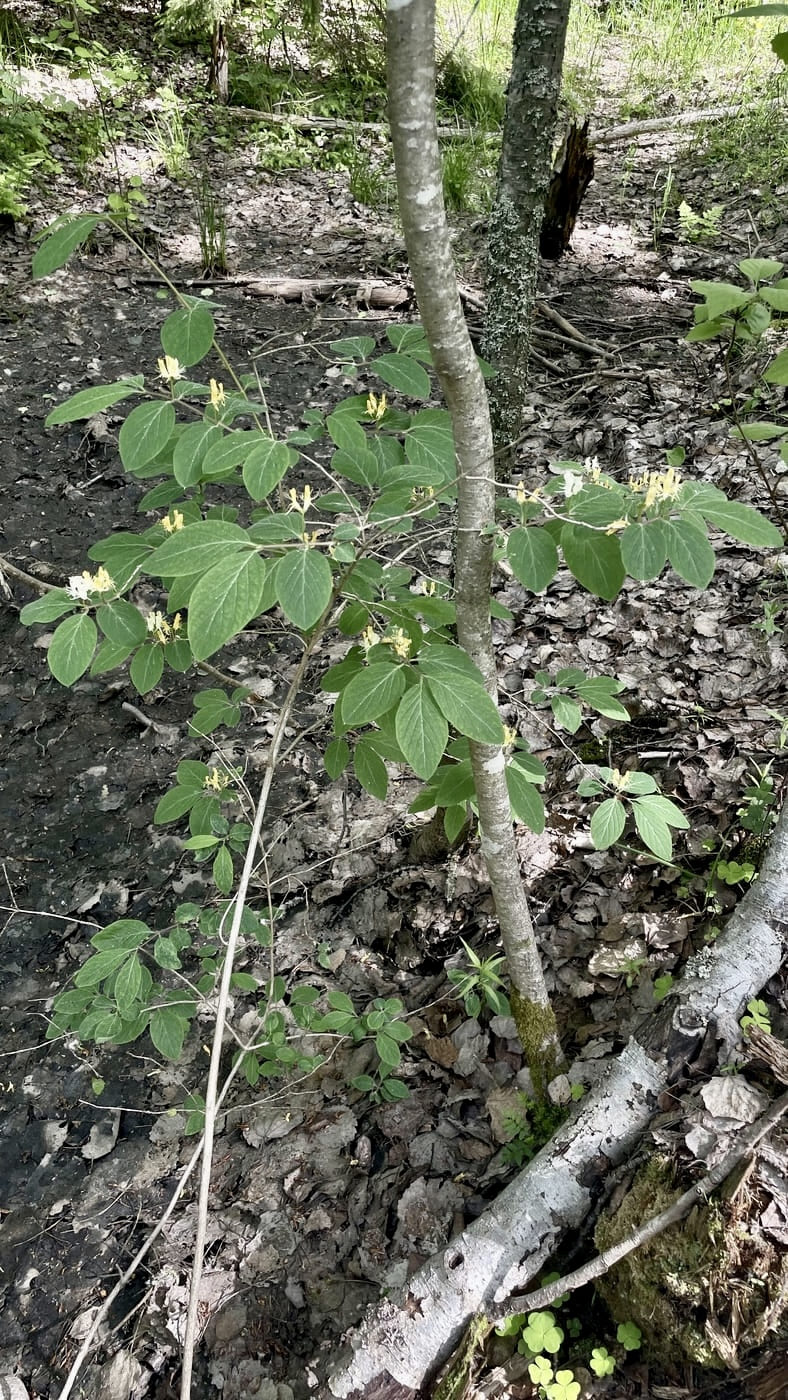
[
  {"x": 403, "y": 1342},
  {"x": 411, "y": 79},
  {"x": 516, "y": 218},
  {"x": 219, "y": 72}
]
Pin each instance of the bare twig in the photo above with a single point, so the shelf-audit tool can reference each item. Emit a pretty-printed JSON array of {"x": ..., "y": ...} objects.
[{"x": 699, "y": 1193}]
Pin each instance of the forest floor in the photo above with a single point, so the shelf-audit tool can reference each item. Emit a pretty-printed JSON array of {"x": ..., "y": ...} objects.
[{"x": 322, "y": 1198}]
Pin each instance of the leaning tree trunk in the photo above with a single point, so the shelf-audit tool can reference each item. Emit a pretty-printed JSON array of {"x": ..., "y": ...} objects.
[
  {"x": 516, "y": 218},
  {"x": 411, "y": 79},
  {"x": 404, "y": 1340}
]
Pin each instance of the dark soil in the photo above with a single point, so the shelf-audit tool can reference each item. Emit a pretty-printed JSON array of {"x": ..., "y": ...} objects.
[{"x": 321, "y": 1198}]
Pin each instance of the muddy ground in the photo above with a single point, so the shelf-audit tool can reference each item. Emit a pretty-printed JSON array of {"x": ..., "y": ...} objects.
[{"x": 322, "y": 1198}]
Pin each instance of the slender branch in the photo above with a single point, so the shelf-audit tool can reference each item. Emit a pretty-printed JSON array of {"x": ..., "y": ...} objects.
[
  {"x": 699, "y": 1193},
  {"x": 211, "y": 1090},
  {"x": 13, "y": 572}
]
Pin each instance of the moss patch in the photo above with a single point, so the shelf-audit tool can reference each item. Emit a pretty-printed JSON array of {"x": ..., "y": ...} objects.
[{"x": 702, "y": 1290}]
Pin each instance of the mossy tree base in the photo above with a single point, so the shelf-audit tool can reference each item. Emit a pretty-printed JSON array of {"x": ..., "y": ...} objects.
[{"x": 538, "y": 1032}]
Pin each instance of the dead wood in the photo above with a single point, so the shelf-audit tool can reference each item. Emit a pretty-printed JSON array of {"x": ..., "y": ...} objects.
[
  {"x": 572, "y": 175},
  {"x": 383, "y": 295},
  {"x": 632, "y": 131},
  {"x": 697, "y": 1194},
  {"x": 406, "y": 1338}
]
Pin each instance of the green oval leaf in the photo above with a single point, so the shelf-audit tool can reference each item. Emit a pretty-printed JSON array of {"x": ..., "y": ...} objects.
[
  {"x": 644, "y": 549},
  {"x": 371, "y": 693},
  {"x": 607, "y": 823},
  {"x": 777, "y": 373},
  {"x": 72, "y": 647},
  {"x": 533, "y": 557},
  {"x": 187, "y": 334},
  {"x": 743, "y": 523},
  {"x": 101, "y": 965},
  {"x": 421, "y": 730},
  {"x": 653, "y": 832},
  {"x": 443, "y": 662},
  {"x": 145, "y": 433},
  {"x": 526, "y": 803},
  {"x": 223, "y": 601},
  {"x": 231, "y": 449},
  {"x": 173, "y": 805},
  {"x": 265, "y": 466},
  {"x": 594, "y": 559},
  {"x": 168, "y": 1032},
  {"x": 146, "y": 668},
  {"x": 196, "y": 548},
  {"x": 303, "y": 584},
  {"x": 370, "y": 770},
  {"x": 689, "y": 552},
  {"x": 432, "y": 448},
  {"x": 222, "y": 871},
  {"x": 61, "y": 242},
  {"x": 191, "y": 450},
  {"x": 48, "y": 608},
  {"x": 122, "y": 623},
  {"x": 346, "y": 433},
  {"x": 90, "y": 401},
  {"x": 127, "y": 985},
  {"x": 165, "y": 954},
  {"x": 336, "y": 757},
  {"x": 403, "y": 374},
  {"x": 468, "y": 707},
  {"x": 108, "y": 657}
]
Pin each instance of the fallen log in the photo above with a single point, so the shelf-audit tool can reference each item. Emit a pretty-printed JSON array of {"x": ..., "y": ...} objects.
[{"x": 405, "y": 1339}]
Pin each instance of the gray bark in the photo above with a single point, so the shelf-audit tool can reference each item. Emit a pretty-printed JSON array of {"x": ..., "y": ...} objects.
[
  {"x": 516, "y": 218},
  {"x": 411, "y": 63}
]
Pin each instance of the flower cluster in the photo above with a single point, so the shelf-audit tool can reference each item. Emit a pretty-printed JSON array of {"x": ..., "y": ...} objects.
[
  {"x": 216, "y": 780},
  {"x": 376, "y": 407},
  {"x": 81, "y": 586},
  {"x": 658, "y": 486},
  {"x": 160, "y": 629}
]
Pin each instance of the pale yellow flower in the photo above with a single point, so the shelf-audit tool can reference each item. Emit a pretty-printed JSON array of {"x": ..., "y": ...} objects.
[
  {"x": 160, "y": 629},
  {"x": 399, "y": 642},
  {"x": 369, "y": 638},
  {"x": 173, "y": 522},
  {"x": 216, "y": 780},
  {"x": 170, "y": 369},
  {"x": 302, "y": 502},
  {"x": 376, "y": 407},
  {"x": 658, "y": 486},
  {"x": 217, "y": 394}
]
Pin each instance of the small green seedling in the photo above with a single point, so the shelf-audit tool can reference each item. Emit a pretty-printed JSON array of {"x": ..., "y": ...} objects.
[
  {"x": 758, "y": 1015},
  {"x": 629, "y": 1335},
  {"x": 541, "y": 1371},
  {"x": 563, "y": 1387},
  {"x": 541, "y": 1334},
  {"x": 602, "y": 1363},
  {"x": 480, "y": 983},
  {"x": 662, "y": 986}
]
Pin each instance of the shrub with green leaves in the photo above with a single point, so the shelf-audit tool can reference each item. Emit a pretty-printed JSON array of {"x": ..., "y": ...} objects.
[{"x": 320, "y": 555}]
